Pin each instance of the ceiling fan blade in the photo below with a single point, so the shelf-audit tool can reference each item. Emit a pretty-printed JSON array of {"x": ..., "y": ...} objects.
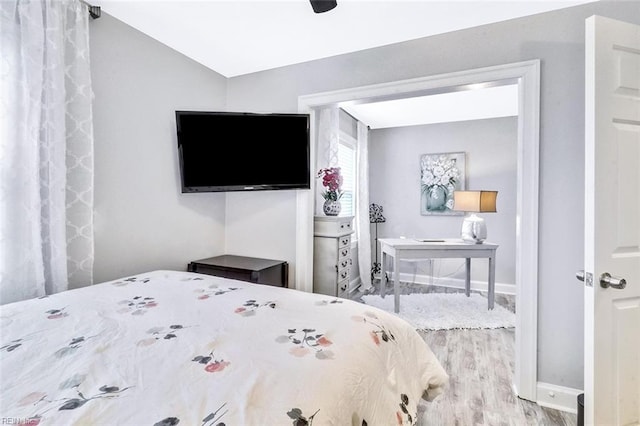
[{"x": 320, "y": 6}]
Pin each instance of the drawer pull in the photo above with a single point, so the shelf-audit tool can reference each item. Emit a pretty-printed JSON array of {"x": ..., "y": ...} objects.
[
  {"x": 344, "y": 264},
  {"x": 345, "y": 242},
  {"x": 345, "y": 274},
  {"x": 344, "y": 252}
]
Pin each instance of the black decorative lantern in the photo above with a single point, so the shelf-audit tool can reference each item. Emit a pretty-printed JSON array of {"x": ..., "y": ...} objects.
[{"x": 376, "y": 217}]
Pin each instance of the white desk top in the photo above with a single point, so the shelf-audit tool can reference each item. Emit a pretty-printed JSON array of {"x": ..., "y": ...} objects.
[
  {"x": 445, "y": 243},
  {"x": 419, "y": 248}
]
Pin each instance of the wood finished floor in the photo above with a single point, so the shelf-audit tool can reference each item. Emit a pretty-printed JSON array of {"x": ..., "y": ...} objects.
[{"x": 480, "y": 364}]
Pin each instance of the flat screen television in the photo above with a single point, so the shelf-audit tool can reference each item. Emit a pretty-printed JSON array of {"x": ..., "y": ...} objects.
[{"x": 243, "y": 151}]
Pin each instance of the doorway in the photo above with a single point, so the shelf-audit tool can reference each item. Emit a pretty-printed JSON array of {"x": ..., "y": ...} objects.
[{"x": 527, "y": 76}]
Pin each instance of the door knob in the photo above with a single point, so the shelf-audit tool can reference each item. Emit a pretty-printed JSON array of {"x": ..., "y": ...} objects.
[
  {"x": 587, "y": 277},
  {"x": 606, "y": 281}
]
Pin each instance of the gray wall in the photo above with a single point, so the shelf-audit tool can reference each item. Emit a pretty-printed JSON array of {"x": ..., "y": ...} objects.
[
  {"x": 557, "y": 39},
  {"x": 142, "y": 221},
  {"x": 491, "y": 164}
]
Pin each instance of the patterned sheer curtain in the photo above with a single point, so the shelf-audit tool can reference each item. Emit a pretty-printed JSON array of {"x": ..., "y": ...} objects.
[
  {"x": 46, "y": 148},
  {"x": 362, "y": 209},
  {"x": 327, "y": 152}
]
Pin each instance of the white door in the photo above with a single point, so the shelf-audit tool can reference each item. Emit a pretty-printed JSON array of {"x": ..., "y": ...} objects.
[{"x": 612, "y": 223}]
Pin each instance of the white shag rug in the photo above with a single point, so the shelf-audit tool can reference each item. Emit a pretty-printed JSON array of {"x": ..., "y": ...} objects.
[{"x": 445, "y": 311}]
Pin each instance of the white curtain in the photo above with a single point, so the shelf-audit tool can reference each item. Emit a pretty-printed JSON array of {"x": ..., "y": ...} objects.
[
  {"x": 362, "y": 209},
  {"x": 46, "y": 148},
  {"x": 327, "y": 148}
]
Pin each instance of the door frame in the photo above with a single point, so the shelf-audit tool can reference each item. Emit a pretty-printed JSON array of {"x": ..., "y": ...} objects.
[{"x": 527, "y": 76}]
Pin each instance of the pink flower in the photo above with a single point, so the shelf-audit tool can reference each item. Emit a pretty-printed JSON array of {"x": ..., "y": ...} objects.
[
  {"x": 299, "y": 351},
  {"x": 31, "y": 398},
  {"x": 239, "y": 310},
  {"x": 216, "y": 366},
  {"x": 204, "y": 296},
  {"x": 375, "y": 337},
  {"x": 151, "y": 305},
  {"x": 323, "y": 341},
  {"x": 332, "y": 180}
]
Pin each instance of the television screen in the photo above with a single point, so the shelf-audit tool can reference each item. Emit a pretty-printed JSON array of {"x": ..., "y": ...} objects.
[{"x": 241, "y": 151}]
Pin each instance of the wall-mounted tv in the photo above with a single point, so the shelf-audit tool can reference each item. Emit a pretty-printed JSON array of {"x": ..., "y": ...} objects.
[{"x": 243, "y": 151}]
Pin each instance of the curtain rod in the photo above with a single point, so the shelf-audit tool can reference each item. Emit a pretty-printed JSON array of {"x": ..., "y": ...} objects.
[{"x": 94, "y": 11}]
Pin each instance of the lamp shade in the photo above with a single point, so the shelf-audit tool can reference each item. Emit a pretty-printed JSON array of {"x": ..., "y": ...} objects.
[{"x": 475, "y": 201}]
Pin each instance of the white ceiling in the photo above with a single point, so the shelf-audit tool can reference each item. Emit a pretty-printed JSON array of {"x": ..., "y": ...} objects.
[
  {"x": 476, "y": 104},
  {"x": 237, "y": 37}
]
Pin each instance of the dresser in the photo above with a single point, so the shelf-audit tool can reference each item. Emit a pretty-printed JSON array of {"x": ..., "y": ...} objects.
[{"x": 332, "y": 255}]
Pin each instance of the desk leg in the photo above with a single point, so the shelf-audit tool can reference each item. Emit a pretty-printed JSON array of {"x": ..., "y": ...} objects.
[
  {"x": 396, "y": 285},
  {"x": 492, "y": 281},
  {"x": 467, "y": 280},
  {"x": 383, "y": 274},
  {"x": 431, "y": 272}
]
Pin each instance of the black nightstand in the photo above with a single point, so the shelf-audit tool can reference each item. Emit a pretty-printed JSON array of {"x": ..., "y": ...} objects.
[{"x": 252, "y": 269}]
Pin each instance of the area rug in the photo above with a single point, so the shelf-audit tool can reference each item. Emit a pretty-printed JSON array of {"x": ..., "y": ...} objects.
[{"x": 445, "y": 311}]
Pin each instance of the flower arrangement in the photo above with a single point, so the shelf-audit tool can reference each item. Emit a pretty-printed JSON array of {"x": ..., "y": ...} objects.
[
  {"x": 440, "y": 171},
  {"x": 440, "y": 174},
  {"x": 332, "y": 180}
]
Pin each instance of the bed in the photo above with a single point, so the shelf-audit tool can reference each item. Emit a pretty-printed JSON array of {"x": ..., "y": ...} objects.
[{"x": 172, "y": 347}]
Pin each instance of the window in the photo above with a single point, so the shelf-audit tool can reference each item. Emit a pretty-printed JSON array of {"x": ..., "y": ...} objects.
[{"x": 347, "y": 164}]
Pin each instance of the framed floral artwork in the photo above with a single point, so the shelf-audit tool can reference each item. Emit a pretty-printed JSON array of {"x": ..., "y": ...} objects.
[{"x": 440, "y": 175}]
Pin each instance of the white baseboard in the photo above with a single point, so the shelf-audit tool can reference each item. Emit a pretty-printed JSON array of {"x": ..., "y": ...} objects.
[
  {"x": 354, "y": 285},
  {"x": 558, "y": 397},
  {"x": 502, "y": 288}
]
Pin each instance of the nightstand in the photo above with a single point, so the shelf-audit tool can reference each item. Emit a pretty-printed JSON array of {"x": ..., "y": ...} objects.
[{"x": 251, "y": 269}]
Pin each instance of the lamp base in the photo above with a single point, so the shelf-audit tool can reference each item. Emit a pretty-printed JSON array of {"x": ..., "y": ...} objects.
[{"x": 474, "y": 230}]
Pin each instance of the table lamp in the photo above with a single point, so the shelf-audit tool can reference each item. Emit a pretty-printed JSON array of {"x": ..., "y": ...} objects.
[{"x": 474, "y": 228}]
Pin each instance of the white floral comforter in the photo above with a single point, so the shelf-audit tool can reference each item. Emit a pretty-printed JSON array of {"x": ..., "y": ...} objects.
[{"x": 169, "y": 347}]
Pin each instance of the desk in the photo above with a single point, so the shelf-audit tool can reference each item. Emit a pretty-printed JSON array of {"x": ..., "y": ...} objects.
[{"x": 408, "y": 248}]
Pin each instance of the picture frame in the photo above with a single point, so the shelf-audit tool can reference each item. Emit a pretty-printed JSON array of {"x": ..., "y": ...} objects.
[{"x": 440, "y": 175}]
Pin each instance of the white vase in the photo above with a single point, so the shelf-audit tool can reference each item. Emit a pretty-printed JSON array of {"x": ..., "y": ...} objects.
[{"x": 331, "y": 207}]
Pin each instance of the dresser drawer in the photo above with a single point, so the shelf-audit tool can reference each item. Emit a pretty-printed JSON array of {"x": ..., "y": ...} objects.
[
  {"x": 343, "y": 287},
  {"x": 343, "y": 275},
  {"x": 344, "y": 241},
  {"x": 343, "y": 253},
  {"x": 333, "y": 226},
  {"x": 344, "y": 263}
]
